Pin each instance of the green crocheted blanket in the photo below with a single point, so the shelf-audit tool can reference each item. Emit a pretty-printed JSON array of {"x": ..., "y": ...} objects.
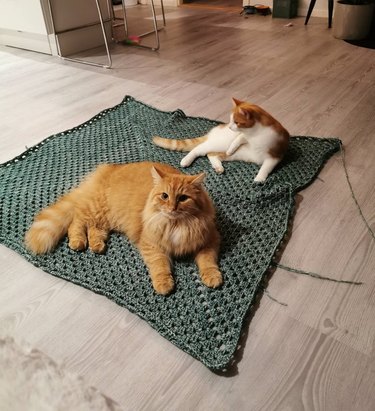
[{"x": 252, "y": 219}]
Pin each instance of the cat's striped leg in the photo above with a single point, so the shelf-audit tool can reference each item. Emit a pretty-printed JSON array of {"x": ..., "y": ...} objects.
[
  {"x": 265, "y": 169},
  {"x": 159, "y": 267},
  {"x": 206, "y": 260}
]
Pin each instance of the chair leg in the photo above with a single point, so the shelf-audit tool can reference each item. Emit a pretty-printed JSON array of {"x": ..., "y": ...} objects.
[
  {"x": 330, "y": 12},
  {"x": 311, "y": 6},
  {"x": 155, "y": 24}
]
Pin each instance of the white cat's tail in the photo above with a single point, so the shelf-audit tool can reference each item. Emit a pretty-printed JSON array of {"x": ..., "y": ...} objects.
[
  {"x": 178, "y": 145},
  {"x": 49, "y": 226}
]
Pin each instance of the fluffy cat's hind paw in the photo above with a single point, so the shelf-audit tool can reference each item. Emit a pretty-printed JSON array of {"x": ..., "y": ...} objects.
[
  {"x": 163, "y": 285},
  {"x": 212, "y": 277}
]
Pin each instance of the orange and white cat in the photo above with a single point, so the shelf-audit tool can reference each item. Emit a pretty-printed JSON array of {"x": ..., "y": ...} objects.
[
  {"x": 164, "y": 212},
  {"x": 252, "y": 135}
]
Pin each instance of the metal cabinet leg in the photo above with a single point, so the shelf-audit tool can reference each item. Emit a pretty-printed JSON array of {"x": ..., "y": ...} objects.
[{"x": 100, "y": 14}]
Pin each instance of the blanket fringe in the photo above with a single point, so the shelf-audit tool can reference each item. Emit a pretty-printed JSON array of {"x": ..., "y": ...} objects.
[
  {"x": 352, "y": 193},
  {"x": 370, "y": 230},
  {"x": 314, "y": 275},
  {"x": 267, "y": 293}
]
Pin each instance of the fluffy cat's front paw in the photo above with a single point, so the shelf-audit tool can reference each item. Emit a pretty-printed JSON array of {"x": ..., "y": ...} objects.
[
  {"x": 219, "y": 169},
  {"x": 77, "y": 244},
  {"x": 98, "y": 247},
  {"x": 163, "y": 284},
  {"x": 212, "y": 277}
]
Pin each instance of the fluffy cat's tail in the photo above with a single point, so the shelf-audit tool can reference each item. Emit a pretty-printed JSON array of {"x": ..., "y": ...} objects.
[
  {"x": 49, "y": 226},
  {"x": 178, "y": 145}
]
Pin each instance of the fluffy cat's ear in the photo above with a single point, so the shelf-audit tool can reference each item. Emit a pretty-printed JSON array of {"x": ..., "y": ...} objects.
[
  {"x": 236, "y": 102},
  {"x": 198, "y": 179},
  {"x": 157, "y": 175}
]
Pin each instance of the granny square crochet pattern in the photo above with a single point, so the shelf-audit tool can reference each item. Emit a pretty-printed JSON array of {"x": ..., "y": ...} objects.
[{"x": 252, "y": 219}]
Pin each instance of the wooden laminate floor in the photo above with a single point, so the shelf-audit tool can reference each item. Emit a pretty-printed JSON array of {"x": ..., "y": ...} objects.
[{"x": 316, "y": 353}]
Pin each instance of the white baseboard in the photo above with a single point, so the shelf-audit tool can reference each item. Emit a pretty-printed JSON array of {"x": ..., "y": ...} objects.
[
  {"x": 170, "y": 3},
  {"x": 25, "y": 40},
  {"x": 302, "y": 11},
  {"x": 166, "y": 3}
]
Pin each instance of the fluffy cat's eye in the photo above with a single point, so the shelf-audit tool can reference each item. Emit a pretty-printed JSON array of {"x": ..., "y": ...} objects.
[
  {"x": 182, "y": 198},
  {"x": 164, "y": 196}
]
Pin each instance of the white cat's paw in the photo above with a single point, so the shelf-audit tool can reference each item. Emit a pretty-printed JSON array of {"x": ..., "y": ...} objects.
[
  {"x": 229, "y": 152},
  {"x": 219, "y": 169},
  {"x": 185, "y": 163},
  {"x": 259, "y": 179}
]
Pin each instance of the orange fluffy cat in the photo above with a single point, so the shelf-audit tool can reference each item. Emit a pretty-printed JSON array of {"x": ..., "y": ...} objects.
[
  {"x": 251, "y": 135},
  {"x": 164, "y": 212}
]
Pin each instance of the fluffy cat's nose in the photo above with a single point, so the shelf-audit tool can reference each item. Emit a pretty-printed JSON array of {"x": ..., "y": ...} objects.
[{"x": 173, "y": 207}]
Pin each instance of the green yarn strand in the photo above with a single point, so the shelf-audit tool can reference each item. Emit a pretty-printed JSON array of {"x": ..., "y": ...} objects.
[
  {"x": 314, "y": 275},
  {"x": 352, "y": 193}
]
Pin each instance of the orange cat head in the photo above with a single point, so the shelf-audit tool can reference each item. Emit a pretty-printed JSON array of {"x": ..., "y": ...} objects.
[
  {"x": 177, "y": 195},
  {"x": 244, "y": 115}
]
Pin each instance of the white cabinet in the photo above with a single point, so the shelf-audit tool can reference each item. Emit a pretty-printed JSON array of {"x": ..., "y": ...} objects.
[
  {"x": 77, "y": 24},
  {"x": 28, "y": 24},
  {"x": 23, "y": 25}
]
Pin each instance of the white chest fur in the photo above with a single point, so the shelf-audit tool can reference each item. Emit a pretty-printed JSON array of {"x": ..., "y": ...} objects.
[{"x": 176, "y": 236}]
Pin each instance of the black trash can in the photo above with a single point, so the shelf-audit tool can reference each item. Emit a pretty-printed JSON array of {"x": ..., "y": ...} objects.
[{"x": 285, "y": 9}]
